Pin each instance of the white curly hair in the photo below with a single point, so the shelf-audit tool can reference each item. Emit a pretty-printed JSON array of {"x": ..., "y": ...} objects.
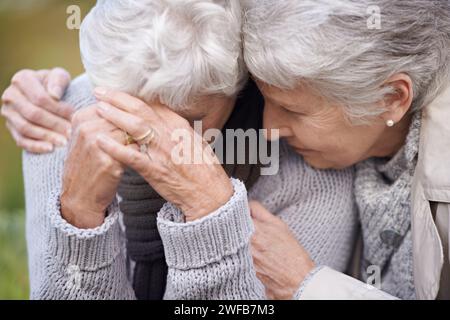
[{"x": 171, "y": 50}]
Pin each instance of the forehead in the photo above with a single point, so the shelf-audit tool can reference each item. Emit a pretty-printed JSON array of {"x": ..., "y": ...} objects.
[{"x": 290, "y": 97}]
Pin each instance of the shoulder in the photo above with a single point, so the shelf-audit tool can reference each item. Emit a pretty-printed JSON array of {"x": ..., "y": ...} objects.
[{"x": 79, "y": 93}]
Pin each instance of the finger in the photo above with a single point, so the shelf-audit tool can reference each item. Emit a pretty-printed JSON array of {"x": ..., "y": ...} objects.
[
  {"x": 39, "y": 116},
  {"x": 42, "y": 75},
  {"x": 29, "y": 145},
  {"x": 97, "y": 130},
  {"x": 256, "y": 255},
  {"x": 259, "y": 212},
  {"x": 123, "y": 101},
  {"x": 126, "y": 155},
  {"x": 264, "y": 278},
  {"x": 30, "y": 86},
  {"x": 86, "y": 114},
  {"x": 4, "y": 110},
  {"x": 90, "y": 129},
  {"x": 63, "y": 110},
  {"x": 258, "y": 227},
  {"x": 266, "y": 281},
  {"x": 270, "y": 295},
  {"x": 128, "y": 122},
  {"x": 57, "y": 81},
  {"x": 119, "y": 136},
  {"x": 259, "y": 240},
  {"x": 30, "y": 131}
]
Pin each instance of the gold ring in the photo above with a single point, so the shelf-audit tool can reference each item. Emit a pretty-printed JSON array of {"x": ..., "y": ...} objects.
[
  {"x": 128, "y": 139},
  {"x": 146, "y": 138}
]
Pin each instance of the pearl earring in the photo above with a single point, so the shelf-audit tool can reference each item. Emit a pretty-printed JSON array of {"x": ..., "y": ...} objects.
[{"x": 390, "y": 123}]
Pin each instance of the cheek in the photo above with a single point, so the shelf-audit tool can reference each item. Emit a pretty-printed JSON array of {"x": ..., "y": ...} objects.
[
  {"x": 326, "y": 132},
  {"x": 334, "y": 143},
  {"x": 315, "y": 137},
  {"x": 331, "y": 147},
  {"x": 343, "y": 149}
]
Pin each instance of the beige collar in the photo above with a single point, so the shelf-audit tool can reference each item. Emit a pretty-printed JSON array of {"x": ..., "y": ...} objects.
[{"x": 433, "y": 167}]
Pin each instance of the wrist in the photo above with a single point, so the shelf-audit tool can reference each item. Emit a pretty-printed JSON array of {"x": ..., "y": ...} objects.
[
  {"x": 209, "y": 203},
  {"x": 299, "y": 277},
  {"x": 79, "y": 215}
]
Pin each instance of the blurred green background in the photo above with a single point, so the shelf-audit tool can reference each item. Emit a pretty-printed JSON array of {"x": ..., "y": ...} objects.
[{"x": 33, "y": 34}]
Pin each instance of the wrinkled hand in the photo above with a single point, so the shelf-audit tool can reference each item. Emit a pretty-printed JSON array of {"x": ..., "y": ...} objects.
[
  {"x": 36, "y": 118},
  {"x": 280, "y": 261},
  {"x": 196, "y": 188},
  {"x": 91, "y": 176}
]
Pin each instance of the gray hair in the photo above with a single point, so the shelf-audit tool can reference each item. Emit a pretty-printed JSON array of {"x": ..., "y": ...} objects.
[
  {"x": 171, "y": 50},
  {"x": 328, "y": 44}
]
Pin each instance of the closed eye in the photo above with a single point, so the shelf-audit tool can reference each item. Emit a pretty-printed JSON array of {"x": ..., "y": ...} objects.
[{"x": 294, "y": 112}]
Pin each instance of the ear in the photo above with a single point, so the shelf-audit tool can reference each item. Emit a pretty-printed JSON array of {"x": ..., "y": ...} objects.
[{"x": 399, "y": 102}]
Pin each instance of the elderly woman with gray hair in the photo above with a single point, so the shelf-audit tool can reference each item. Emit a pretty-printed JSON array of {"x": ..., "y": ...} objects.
[
  {"x": 343, "y": 92},
  {"x": 184, "y": 61}
]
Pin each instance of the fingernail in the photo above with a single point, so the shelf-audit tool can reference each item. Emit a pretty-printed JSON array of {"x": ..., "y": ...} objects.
[
  {"x": 47, "y": 148},
  {"x": 61, "y": 142},
  {"x": 100, "y": 91},
  {"x": 69, "y": 132},
  {"x": 56, "y": 92},
  {"x": 103, "y": 106}
]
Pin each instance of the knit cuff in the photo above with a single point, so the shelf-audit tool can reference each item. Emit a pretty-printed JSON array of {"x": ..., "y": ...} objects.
[
  {"x": 208, "y": 240},
  {"x": 86, "y": 249}
]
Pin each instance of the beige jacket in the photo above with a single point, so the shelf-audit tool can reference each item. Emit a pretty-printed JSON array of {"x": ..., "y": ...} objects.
[{"x": 430, "y": 220}]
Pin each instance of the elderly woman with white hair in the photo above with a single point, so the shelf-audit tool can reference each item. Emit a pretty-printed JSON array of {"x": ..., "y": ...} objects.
[
  {"x": 344, "y": 92},
  {"x": 162, "y": 65}
]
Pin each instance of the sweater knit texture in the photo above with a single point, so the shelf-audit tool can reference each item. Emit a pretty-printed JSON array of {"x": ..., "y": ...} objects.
[
  {"x": 140, "y": 203},
  {"x": 383, "y": 195},
  {"x": 207, "y": 259}
]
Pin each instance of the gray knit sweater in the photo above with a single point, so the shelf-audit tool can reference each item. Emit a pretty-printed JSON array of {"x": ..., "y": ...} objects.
[
  {"x": 383, "y": 195},
  {"x": 209, "y": 258}
]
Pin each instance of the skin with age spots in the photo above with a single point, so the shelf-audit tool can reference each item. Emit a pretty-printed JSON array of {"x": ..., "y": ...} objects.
[{"x": 325, "y": 137}]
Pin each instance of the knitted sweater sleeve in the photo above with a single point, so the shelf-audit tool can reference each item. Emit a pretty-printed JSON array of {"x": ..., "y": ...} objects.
[
  {"x": 66, "y": 262},
  {"x": 210, "y": 258}
]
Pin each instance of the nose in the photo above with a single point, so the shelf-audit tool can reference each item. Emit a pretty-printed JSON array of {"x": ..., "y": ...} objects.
[{"x": 276, "y": 123}]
